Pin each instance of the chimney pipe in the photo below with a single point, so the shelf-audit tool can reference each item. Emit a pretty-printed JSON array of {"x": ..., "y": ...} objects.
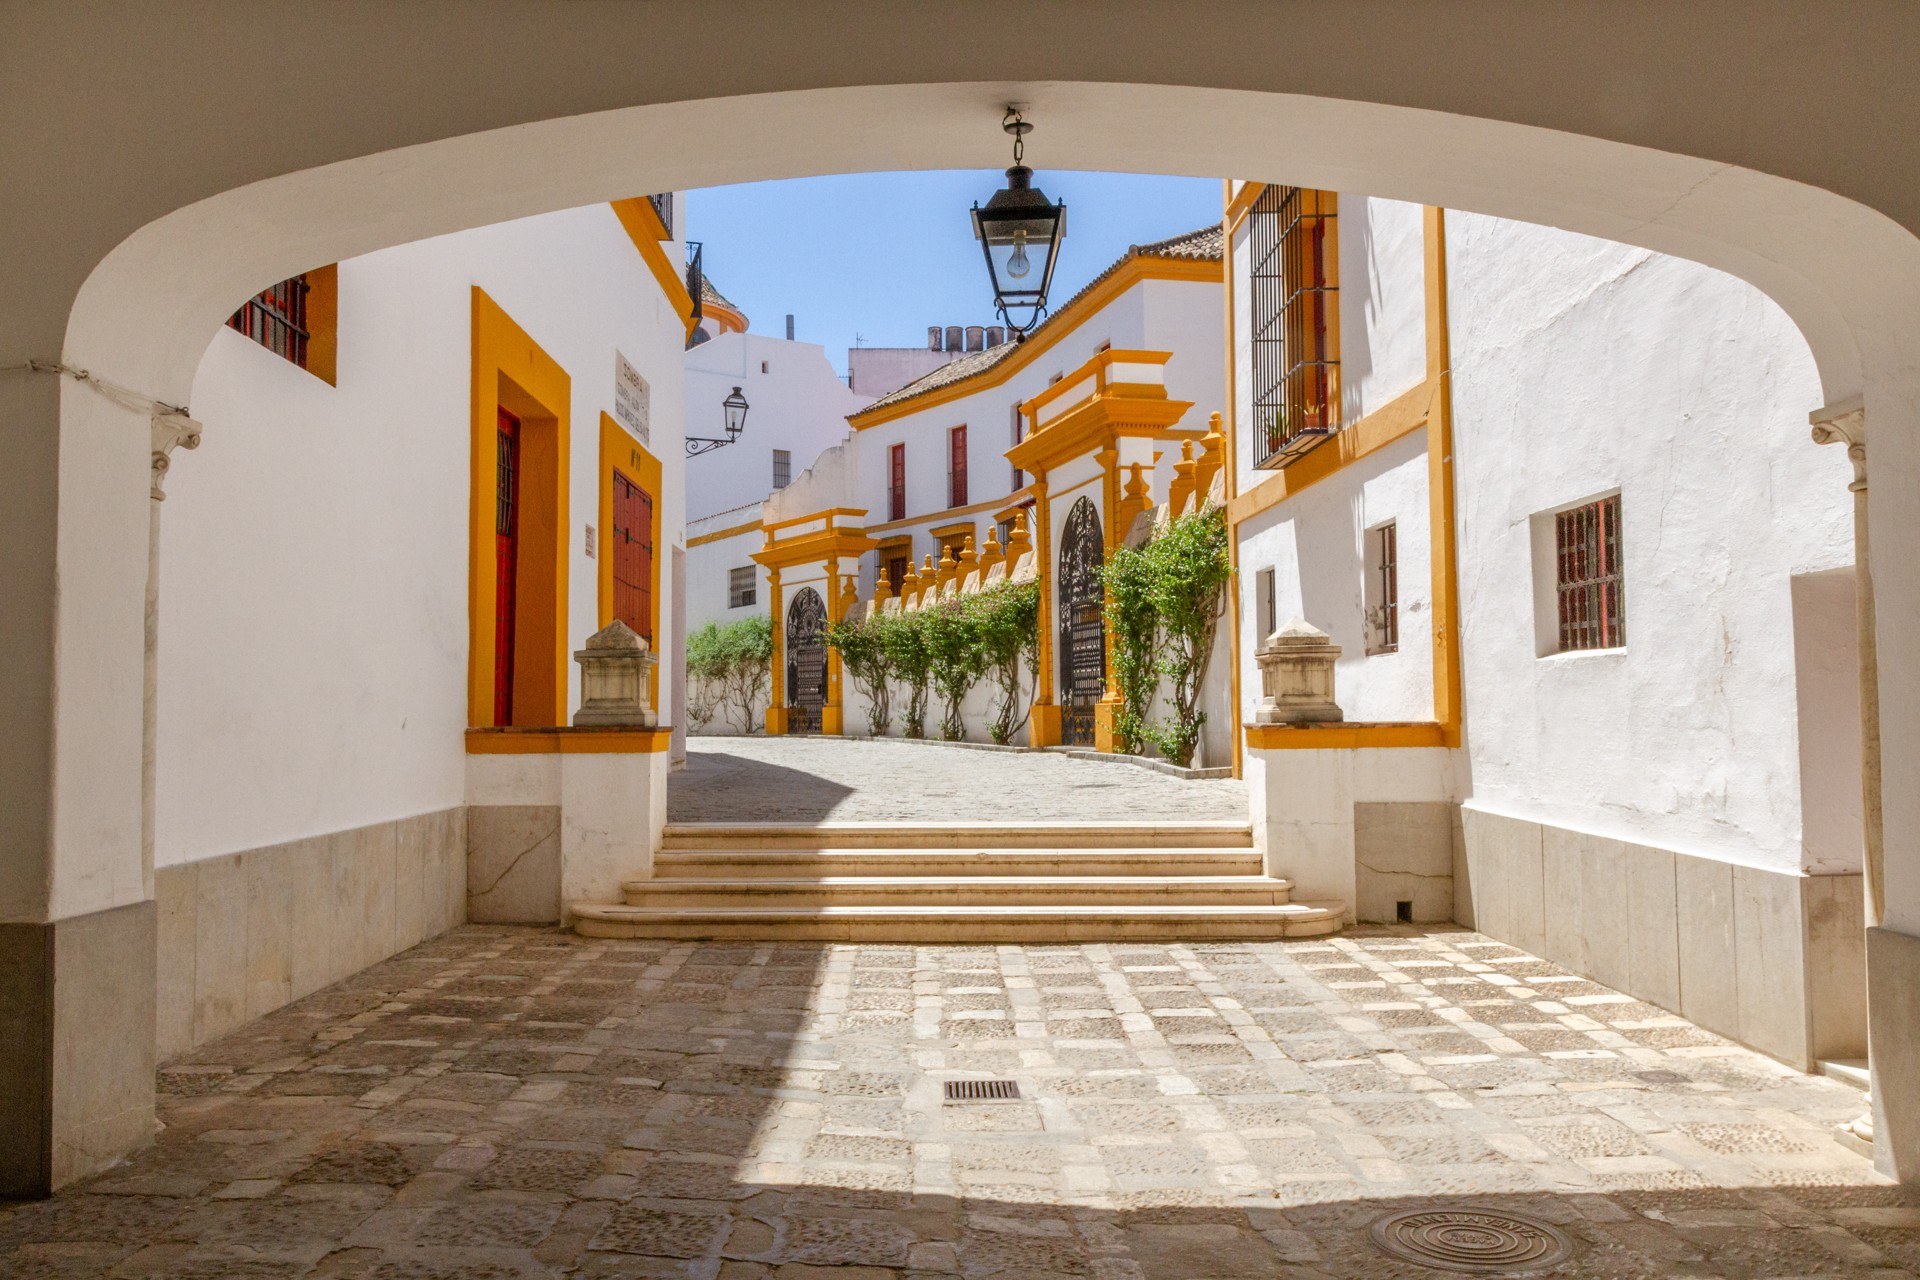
[
  {"x": 975, "y": 334},
  {"x": 933, "y": 337},
  {"x": 789, "y": 326},
  {"x": 953, "y": 338}
]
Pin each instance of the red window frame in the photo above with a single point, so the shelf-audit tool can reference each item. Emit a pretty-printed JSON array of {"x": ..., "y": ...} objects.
[
  {"x": 506, "y": 562},
  {"x": 957, "y": 466},
  {"x": 897, "y": 482},
  {"x": 1589, "y": 576}
]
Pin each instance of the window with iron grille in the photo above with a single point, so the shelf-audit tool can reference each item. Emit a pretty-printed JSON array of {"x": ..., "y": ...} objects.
[
  {"x": 782, "y": 468},
  {"x": 1295, "y": 322},
  {"x": 276, "y": 318},
  {"x": 740, "y": 587},
  {"x": 1383, "y": 588},
  {"x": 1019, "y": 434},
  {"x": 957, "y": 467},
  {"x": 896, "y": 570},
  {"x": 897, "y": 482},
  {"x": 1588, "y": 577}
]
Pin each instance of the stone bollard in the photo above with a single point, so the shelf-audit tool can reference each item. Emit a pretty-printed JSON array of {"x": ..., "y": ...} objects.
[
  {"x": 1296, "y": 676},
  {"x": 614, "y": 679}
]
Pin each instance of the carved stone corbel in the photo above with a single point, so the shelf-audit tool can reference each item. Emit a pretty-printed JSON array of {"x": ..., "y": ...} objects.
[
  {"x": 1845, "y": 423},
  {"x": 170, "y": 431}
]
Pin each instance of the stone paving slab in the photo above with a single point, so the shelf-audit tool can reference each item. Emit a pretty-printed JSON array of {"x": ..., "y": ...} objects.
[
  {"x": 502, "y": 1103},
  {"x": 869, "y": 780}
]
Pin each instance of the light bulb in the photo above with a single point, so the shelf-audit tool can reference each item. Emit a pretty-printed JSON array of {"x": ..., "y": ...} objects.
[{"x": 1018, "y": 265}]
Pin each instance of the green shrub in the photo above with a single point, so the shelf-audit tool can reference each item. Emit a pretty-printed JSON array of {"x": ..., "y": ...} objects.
[
  {"x": 736, "y": 660},
  {"x": 954, "y": 656},
  {"x": 1006, "y": 634},
  {"x": 903, "y": 638},
  {"x": 862, "y": 646}
]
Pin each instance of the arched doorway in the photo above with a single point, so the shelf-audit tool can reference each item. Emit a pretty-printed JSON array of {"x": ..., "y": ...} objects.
[
  {"x": 806, "y": 661},
  {"x": 1083, "y": 637}
]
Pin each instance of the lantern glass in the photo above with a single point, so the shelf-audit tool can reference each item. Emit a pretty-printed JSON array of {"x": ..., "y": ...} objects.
[
  {"x": 1019, "y": 232},
  {"x": 736, "y": 409}
]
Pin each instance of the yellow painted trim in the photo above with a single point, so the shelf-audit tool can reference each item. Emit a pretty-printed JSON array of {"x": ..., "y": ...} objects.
[
  {"x": 826, "y": 514},
  {"x": 729, "y": 319},
  {"x": 567, "y": 742},
  {"x": 620, "y": 450},
  {"x": 1231, "y": 432},
  {"x": 1333, "y": 737},
  {"x": 1130, "y": 273},
  {"x": 1448, "y": 695},
  {"x": 807, "y": 548},
  {"x": 1240, "y": 205},
  {"x": 1098, "y": 423},
  {"x": 1405, "y": 413},
  {"x": 719, "y": 535},
  {"x": 959, "y": 528},
  {"x": 914, "y": 522},
  {"x": 1096, "y": 369},
  {"x": 641, "y": 222},
  {"x": 511, "y": 371},
  {"x": 323, "y": 323}
]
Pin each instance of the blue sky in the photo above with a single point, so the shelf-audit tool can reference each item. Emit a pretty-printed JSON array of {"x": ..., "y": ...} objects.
[{"x": 884, "y": 255}]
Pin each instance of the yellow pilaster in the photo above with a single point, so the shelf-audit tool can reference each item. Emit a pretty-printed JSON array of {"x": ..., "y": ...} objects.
[
  {"x": 1106, "y": 712},
  {"x": 832, "y": 717},
  {"x": 1043, "y": 728},
  {"x": 777, "y": 700},
  {"x": 1446, "y": 605}
]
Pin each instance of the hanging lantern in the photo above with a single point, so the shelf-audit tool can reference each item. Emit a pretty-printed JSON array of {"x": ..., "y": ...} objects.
[
  {"x": 1019, "y": 231},
  {"x": 735, "y": 409}
]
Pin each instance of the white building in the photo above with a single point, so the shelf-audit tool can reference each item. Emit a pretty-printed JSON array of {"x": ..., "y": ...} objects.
[
  {"x": 470, "y": 464},
  {"x": 1591, "y": 464}
]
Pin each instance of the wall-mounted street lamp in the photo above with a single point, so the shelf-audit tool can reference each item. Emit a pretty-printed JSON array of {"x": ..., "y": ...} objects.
[
  {"x": 735, "y": 406},
  {"x": 1019, "y": 230}
]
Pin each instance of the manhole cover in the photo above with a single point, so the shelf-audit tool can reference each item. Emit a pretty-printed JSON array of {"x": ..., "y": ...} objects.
[
  {"x": 1471, "y": 1240},
  {"x": 983, "y": 1091},
  {"x": 1660, "y": 1077}
]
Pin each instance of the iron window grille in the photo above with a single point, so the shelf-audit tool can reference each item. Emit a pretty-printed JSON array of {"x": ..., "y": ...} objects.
[
  {"x": 1019, "y": 434},
  {"x": 662, "y": 203},
  {"x": 1383, "y": 617},
  {"x": 1588, "y": 575},
  {"x": 741, "y": 587},
  {"x": 1290, "y": 240},
  {"x": 276, "y": 318},
  {"x": 782, "y": 468}
]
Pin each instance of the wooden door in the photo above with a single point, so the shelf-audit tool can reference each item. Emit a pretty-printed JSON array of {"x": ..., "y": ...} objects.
[
  {"x": 506, "y": 560},
  {"x": 633, "y": 556}
]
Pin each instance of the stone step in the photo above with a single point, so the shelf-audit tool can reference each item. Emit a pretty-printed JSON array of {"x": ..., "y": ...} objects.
[
  {"x": 968, "y": 891},
  {"x": 696, "y": 836},
  {"x": 960, "y": 923},
  {"x": 816, "y": 864}
]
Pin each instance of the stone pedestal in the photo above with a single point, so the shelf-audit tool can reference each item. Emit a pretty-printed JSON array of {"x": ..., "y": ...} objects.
[
  {"x": 616, "y": 670},
  {"x": 1296, "y": 676}
]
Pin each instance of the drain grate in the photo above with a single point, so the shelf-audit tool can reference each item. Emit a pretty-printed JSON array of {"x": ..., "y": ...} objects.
[
  {"x": 983, "y": 1091},
  {"x": 1475, "y": 1240}
]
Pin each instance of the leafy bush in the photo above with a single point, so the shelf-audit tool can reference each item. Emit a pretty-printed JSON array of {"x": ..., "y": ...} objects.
[
  {"x": 1006, "y": 636},
  {"x": 736, "y": 660},
  {"x": 1165, "y": 602},
  {"x": 862, "y": 646},
  {"x": 903, "y": 640},
  {"x": 954, "y": 655}
]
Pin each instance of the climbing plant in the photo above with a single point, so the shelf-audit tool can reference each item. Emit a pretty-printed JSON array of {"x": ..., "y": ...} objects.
[
  {"x": 1190, "y": 573},
  {"x": 954, "y": 653},
  {"x": 735, "y": 661},
  {"x": 1006, "y": 636},
  {"x": 1164, "y": 608},
  {"x": 861, "y": 643},
  {"x": 1127, "y": 577},
  {"x": 903, "y": 639}
]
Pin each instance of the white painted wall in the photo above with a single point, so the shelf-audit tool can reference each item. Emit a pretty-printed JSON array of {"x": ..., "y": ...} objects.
[
  {"x": 313, "y": 633},
  {"x": 798, "y": 404},
  {"x": 1580, "y": 367},
  {"x": 1316, "y": 543},
  {"x": 710, "y": 563}
]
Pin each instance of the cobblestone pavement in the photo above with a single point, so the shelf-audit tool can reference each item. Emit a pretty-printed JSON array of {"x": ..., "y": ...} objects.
[
  {"x": 502, "y": 1103},
  {"x": 863, "y": 780}
]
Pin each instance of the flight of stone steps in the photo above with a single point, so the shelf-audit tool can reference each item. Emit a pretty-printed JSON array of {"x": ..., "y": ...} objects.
[{"x": 956, "y": 882}]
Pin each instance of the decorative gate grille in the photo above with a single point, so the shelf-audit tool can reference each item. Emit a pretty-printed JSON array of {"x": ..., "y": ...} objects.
[
  {"x": 1083, "y": 637},
  {"x": 806, "y": 661}
]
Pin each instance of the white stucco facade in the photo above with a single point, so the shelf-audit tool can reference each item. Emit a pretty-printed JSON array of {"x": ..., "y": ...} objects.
[{"x": 333, "y": 691}]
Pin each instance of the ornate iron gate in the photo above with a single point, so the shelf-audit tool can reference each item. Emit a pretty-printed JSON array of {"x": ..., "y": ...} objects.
[
  {"x": 1083, "y": 639},
  {"x": 806, "y": 661}
]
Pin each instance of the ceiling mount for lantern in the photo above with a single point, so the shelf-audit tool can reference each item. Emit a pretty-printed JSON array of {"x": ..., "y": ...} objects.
[
  {"x": 735, "y": 408},
  {"x": 1019, "y": 231}
]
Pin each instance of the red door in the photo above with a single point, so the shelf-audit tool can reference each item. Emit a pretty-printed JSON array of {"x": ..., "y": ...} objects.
[
  {"x": 506, "y": 555},
  {"x": 633, "y": 556}
]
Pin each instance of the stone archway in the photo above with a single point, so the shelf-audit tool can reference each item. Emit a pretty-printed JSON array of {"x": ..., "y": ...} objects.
[
  {"x": 806, "y": 653},
  {"x": 1083, "y": 637},
  {"x": 152, "y": 207}
]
